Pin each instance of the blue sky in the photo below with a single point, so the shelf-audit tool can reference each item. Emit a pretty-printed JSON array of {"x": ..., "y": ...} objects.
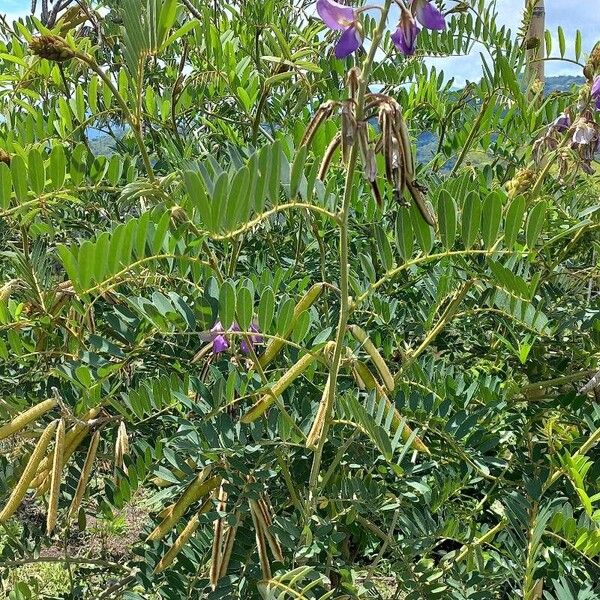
[{"x": 571, "y": 14}]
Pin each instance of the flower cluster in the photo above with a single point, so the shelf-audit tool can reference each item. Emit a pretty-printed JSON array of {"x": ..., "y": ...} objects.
[
  {"x": 220, "y": 340},
  {"x": 346, "y": 19},
  {"x": 574, "y": 133}
]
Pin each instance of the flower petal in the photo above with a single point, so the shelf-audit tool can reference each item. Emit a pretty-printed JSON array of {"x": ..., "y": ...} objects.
[
  {"x": 596, "y": 88},
  {"x": 428, "y": 15},
  {"x": 335, "y": 15},
  {"x": 220, "y": 344},
  {"x": 405, "y": 36},
  {"x": 349, "y": 41}
]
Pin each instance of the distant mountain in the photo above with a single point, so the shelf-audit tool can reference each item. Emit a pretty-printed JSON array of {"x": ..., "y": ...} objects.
[{"x": 562, "y": 83}]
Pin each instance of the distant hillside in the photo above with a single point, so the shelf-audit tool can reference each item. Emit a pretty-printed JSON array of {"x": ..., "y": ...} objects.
[
  {"x": 104, "y": 145},
  {"x": 427, "y": 141}
]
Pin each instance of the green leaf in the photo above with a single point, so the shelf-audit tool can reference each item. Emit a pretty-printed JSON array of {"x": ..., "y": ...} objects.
[
  {"x": 513, "y": 222},
  {"x": 227, "y": 304},
  {"x": 266, "y": 309},
  {"x": 19, "y": 177},
  {"x": 384, "y": 248},
  {"x": 5, "y": 186},
  {"x": 471, "y": 219},
  {"x": 245, "y": 307},
  {"x": 491, "y": 218},
  {"x": 423, "y": 232},
  {"x": 535, "y": 222},
  {"x": 57, "y": 166},
  {"x": 447, "y": 218},
  {"x": 285, "y": 316},
  {"x": 404, "y": 234}
]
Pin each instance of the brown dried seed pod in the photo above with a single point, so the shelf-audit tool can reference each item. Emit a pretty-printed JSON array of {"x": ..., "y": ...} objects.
[
  {"x": 323, "y": 112},
  {"x": 55, "y": 477},
  {"x": 29, "y": 416},
  {"x": 348, "y": 129},
  {"x": 217, "y": 547},
  {"x": 85, "y": 475},
  {"x": 20, "y": 489},
  {"x": 5, "y": 157},
  {"x": 228, "y": 546},
  {"x": 420, "y": 202},
  {"x": 121, "y": 447},
  {"x": 328, "y": 156},
  {"x": 260, "y": 543}
]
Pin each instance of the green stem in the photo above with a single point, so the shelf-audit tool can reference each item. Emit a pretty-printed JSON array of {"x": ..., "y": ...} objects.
[
  {"x": 133, "y": 121},
  {"x": 344, "y": 267}
]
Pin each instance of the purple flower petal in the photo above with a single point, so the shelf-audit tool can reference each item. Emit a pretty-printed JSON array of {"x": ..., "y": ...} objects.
[
  {"x": 349, "y": 41},
  {"x": 561, "y": 123},
  {"x": 405, "y": 36},
  {"x": 596, "y": 88},
  {"x": 428, "y": 15},
  {"x": 335, "y": 15},
  {"x": 217, "y": 328},
  {"x": 220, "y": 344},
  {"x": 584, "y": 133}
]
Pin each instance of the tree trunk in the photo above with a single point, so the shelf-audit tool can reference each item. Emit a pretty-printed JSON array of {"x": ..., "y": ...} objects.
[{"x": 535, "y": 41}]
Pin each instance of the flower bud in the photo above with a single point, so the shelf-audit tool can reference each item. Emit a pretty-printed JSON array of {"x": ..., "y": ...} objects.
[{"x": 51, "y": 47}]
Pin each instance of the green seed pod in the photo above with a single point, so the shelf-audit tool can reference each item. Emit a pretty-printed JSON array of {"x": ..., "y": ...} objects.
[
  {"x": 56, "y": 476},
  {"x": 361, "y": 336},
  {"x": 275, "y": 345},
  {"x": 278, "y": 388},
  {"x": 24, "y": 419},
  {"x": 85, "y": 475},
  {"x": 182, "y": 539},
  {"x": 20, "y": 489},
  {"x": 366, "y": 380},
  {"x": 197, "y": 489},
  {"x": 314, "y": 435}
]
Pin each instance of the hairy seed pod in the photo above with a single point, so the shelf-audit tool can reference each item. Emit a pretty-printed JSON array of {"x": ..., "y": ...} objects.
[
  {"x": 314, "y": 435},
  {"x": 404, "y": 139},
  {"x": 121, "y": 447},
  {"x": 361, "y": 336},
  {"x": 323, "y": 113},
  {"x": 327, "y": 157},
  {"x": 73, "y": 438},
  {"x": 260, "y": 544},
  {"x": 257, "y": 409},
  {"x": 366, "y": 380},
  {"x": 197, "y": 489},
  {"x": 217, "y": 546},
  {"x": 24, "y": 419},
  {"x": 42, "y": 479},
  {"x": 182, "y": 539},
  {"x": 348, "y": 130},
  {"x": 20, "y": 489},
  {"x": 55, "y": 477},
  {"x": 228, "y": 545},
  {"x": 420, "y": 201},
  {"x": 85, "y": 475},
  {"x": 275, "y": 345},
  {"x": 264, "y": 513}
]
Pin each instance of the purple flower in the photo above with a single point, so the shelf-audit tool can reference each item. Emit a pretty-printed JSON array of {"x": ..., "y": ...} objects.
[
  {"x": 596, "y": 91},
  {"x": 219, "y": 341},
  {"x": 342, "y": 18},
  {"x": 561, "y": 123},
  {"x": 405, "y": 36},
  {"x": 428, "y": 15},
  {"x": 585, "y": 133},
  {"x": 253, "y": 339}
]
